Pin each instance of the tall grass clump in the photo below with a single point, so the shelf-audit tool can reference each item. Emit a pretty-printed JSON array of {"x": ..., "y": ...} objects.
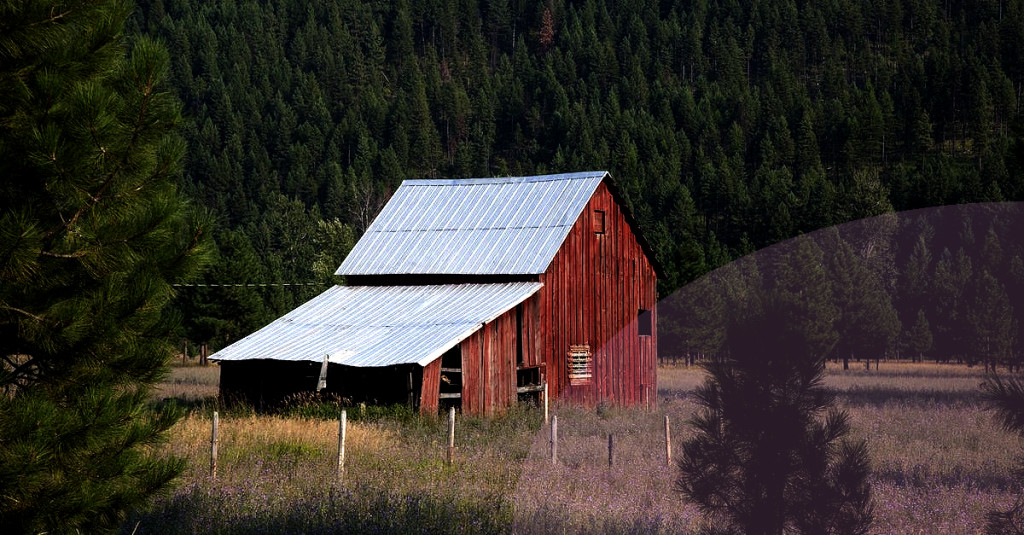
[
  {"x": 190, "y": 385},
  {"x": 277, "y": 473},
  {"x": 583, "y": 494},
  {"x": 359, "y": 508}
]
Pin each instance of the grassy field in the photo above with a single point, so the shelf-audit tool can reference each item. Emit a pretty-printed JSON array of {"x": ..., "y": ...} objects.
[{"x": 940, "y": 463}]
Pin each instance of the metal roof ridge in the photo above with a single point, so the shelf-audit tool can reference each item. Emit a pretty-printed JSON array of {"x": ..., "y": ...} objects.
[
  {"x": 445, "y": 229},
  {"x": 582, "y": 175},
  {"x": 446, "y": 285}
]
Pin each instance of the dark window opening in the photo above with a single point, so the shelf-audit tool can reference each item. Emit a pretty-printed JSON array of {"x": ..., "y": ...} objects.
[
  {"x": 598, "y": 221},
  {"x": 450, "y": 392},
  {"x": 644, "y": 322},
  {"x": 529, "y": 385}
]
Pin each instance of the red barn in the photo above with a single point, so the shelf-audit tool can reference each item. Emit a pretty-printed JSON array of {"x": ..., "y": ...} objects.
[{"x": 474, "y": 293}]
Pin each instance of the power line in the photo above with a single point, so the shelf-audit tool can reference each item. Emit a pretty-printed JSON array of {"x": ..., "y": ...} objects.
[{"x": 248, "y": 285}]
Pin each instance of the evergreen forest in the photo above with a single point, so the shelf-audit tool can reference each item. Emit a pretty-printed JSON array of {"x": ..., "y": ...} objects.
[
  {"x": 941, "y": 284},
  {"x": 727, "y": 126}
]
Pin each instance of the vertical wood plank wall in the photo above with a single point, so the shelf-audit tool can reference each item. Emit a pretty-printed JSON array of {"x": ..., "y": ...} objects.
[
  {"x": 472, "y": 368},
  {"x": 533, "y": 343},
  {"x": 429, "y": 401},
  {"x": 592, "y": 291},
  {"x": 489, "y": 366}
]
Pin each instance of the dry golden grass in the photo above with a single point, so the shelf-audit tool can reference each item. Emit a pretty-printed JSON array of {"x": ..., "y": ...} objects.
[
  {"x": 676, "y": 382},
  {"x": 940, "y": 463},
  {"x": 190, "y": 384},
  {"x": 246, "y": 438},
  {"x": 897, "y": 381},
  {"x": 272, "y": 468}
]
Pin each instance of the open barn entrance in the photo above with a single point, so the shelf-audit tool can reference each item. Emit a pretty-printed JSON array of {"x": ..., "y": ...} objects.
[
  {"x": 266, "y": 384},
  {"x": 450, "y": 393},
  {"x": 385, "y": 385},
  {"x": 529, "y": 385}
]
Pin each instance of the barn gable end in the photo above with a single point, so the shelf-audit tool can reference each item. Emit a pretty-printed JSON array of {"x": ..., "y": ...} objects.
[{"x": 593, "y": 293}]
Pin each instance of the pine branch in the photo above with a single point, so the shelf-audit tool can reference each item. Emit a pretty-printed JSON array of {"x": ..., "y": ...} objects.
[
  {"x": 24, "y": 313},
  {"x": 77, "y": 254},
  {"x": 139, "y": 126},
  {"x": 1005, "y": 397},
  {"x": 52, "y": 18}
]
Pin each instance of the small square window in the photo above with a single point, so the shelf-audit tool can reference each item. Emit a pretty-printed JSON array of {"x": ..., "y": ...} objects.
[
  {"x": 581, "y": 365},
  {"x": 644, "y": 322},
  {"x": 598, "y": 221}
]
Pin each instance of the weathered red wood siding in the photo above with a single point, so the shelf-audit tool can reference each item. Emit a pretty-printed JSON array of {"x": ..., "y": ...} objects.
[
  {"x": 533, "y": 342},
  {"x": 592, "y": 292},
  {"x": 489, "y": 366},
  {"x": 431, "y": 386},
  {"x": 472, "y": 371}
]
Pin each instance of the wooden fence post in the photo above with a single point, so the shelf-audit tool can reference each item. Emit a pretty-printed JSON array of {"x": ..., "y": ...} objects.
[
  {"x": 213, "y": 447},
  {"x": 554, "y": 440},
  {"x": 342, "y": 424},
  {"x": 611, "y": 449},
  {"x": 451, "y": 435},
  {"x": 668, "y": 443},
  {"x": 545, "y": 403}
]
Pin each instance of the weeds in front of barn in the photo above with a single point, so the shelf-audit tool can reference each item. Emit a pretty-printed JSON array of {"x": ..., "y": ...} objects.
[
  {"x": 941, "y": 463},
  {"x": 278, "y": 474}
]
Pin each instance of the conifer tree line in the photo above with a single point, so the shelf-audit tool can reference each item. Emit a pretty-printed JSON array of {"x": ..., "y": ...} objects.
[
  {"x": 943, "y": 284},
  {"x": 728, "y": 126}
]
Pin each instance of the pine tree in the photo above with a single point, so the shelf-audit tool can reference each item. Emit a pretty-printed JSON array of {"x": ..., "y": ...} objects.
[
  {"x": 690, "y": 320},
  {"x": 93, "y": 234},
  {"x": 1005, "y": 397},
  {"x": 990, "y": 322},
  {"x": 949, "y": 284},
  {"x": 215, "y": 314},
  {"x": 805, "y": 297},
  {"x": 333, "y": 241},
  {"x": 915, "y": 278},
  {"x": 769, "y": 455},
  {"x": 919, "y": 339},
  {"x": 868, "y": 323}
]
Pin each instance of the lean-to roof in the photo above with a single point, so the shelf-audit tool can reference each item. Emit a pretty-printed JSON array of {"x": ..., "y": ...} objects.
[{"x": 380, "y": 325}]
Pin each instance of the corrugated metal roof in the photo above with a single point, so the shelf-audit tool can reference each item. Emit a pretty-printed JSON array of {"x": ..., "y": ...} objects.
[
  {"x": 380, "y": 325},
  {"x": 479, "y": 226}
]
